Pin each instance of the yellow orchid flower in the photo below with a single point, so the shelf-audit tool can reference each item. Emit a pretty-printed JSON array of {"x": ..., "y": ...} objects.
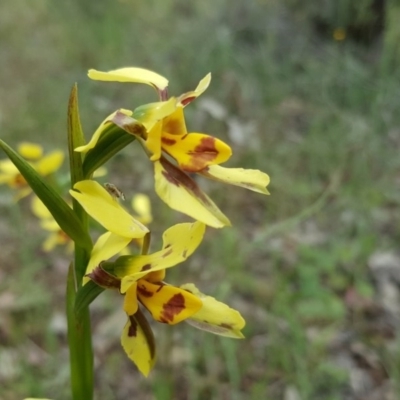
[
  {"x": 164, "y": 133},
  {"x": 43, "y": 164},
  {"x": 47, "y": 222},
  {"x": 142, "y": 282},
  {"x": 104, "y": 208}
]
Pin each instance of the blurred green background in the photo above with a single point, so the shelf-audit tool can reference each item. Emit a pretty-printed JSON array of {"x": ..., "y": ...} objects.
[{"x": 308, "y": 92}]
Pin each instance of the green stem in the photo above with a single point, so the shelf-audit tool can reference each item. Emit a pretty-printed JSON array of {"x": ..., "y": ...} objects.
[
  {"x": 80, "y": 344},
  {"x": 79, "y": 330}
]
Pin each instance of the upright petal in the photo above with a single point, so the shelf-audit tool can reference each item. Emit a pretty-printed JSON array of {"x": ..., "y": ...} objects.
[
  {"x": 188, "y": 97},
  {"x": 101, "y": 206},
  {"x": 214, "y": 316},
  {"x": 251, "y": 179},
  {"x": 181, "y": 193},
  {"x": 167, "y": 304},
  {"x": 131, "y": 74}
]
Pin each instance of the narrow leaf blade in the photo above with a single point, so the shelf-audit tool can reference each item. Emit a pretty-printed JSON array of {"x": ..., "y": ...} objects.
[{"x": 62, "y": 213}]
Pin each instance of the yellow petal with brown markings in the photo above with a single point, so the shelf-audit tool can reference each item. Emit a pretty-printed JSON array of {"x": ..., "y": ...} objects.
[{"x": 167, "y": 304}]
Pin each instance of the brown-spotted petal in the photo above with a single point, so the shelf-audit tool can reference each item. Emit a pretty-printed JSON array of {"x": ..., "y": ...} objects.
[
  {"x": 181, "y": 193},
  {"x": 167, "y": 304}
]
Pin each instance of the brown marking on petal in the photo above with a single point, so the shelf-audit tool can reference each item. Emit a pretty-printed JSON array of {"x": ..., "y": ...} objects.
[
  {"x": 167, "y": 141},
  {"x": 161, "y": 286},
  {"x": 144, "y": 292},
  {"x": 204, "y": 153},
  {"x": 172, "y": 126},
  {"x": 168, "y": 245},
  {"x": 188, "y": 100},
  {"x": 132, "y": 331},
  {"x": 184, "y": 253},
  {"x": 167, "y": 253},
  {"x": 176, "y": 176},
  {"x": 146, "y": 267},
  {"x": 226, "y": 326},
  {"x": 173, "y": 307},
  {"x": 129, "y": 124},
  {"x": 170, "y": 178}
]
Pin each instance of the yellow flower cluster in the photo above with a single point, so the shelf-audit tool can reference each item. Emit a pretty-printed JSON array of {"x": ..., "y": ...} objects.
[{"x": 175, "y": 153}]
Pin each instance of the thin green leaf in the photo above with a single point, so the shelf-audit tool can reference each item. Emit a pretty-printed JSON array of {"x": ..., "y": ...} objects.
[
  {"x": 60, "y": 210},
  {"x": 75, "y": 137},
  {"x": 113, "y": 140},
  {"x": 86, "y": 295}
]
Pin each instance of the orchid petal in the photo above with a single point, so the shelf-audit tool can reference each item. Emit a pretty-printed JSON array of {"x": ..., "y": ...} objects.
[
  {"x": 215, "y": 316},
  {"x": 181, "y": 193},
  {"x": 149, "y": 114},
  {"x": 101, "y": 206},
  {"x": 188, "y": 97},
  {"x": 196, "y": 151},
  {"x": 251, "y": 179},
  {"x": 179, "y": 242},
  {"x": 106, "y": 246},
  {"x": 100, "y": 130},
  {"x": 167, "y": 304},
  {"x": 131, "y": 304},
  {"x": 131, "y": 74},
  {"x": 138, "y": 342}
]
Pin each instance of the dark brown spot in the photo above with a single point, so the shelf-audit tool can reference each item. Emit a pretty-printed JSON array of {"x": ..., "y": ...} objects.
[
  {"x": 174, "y": 306},
  {"x": 178, "y": 178},
  {"x": 203, "y": 153},
  {"x": 167, "y": 141},
  {"x": 168, "y": 245},
  {"x": 167, "y": 253},
  {"x": 188, "y": 100},
  {"x": 184, "y": 253},
  {"x": 161, "y": 286},
  {"x": 172, "y": 126},
  {"x": 129, "y": 124},
  {"x": 132, "y": 331},
  {"x": 144, "y": 292},
  {"x": 226, "y": 326},
  {"x": 146, "y": 267}
]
